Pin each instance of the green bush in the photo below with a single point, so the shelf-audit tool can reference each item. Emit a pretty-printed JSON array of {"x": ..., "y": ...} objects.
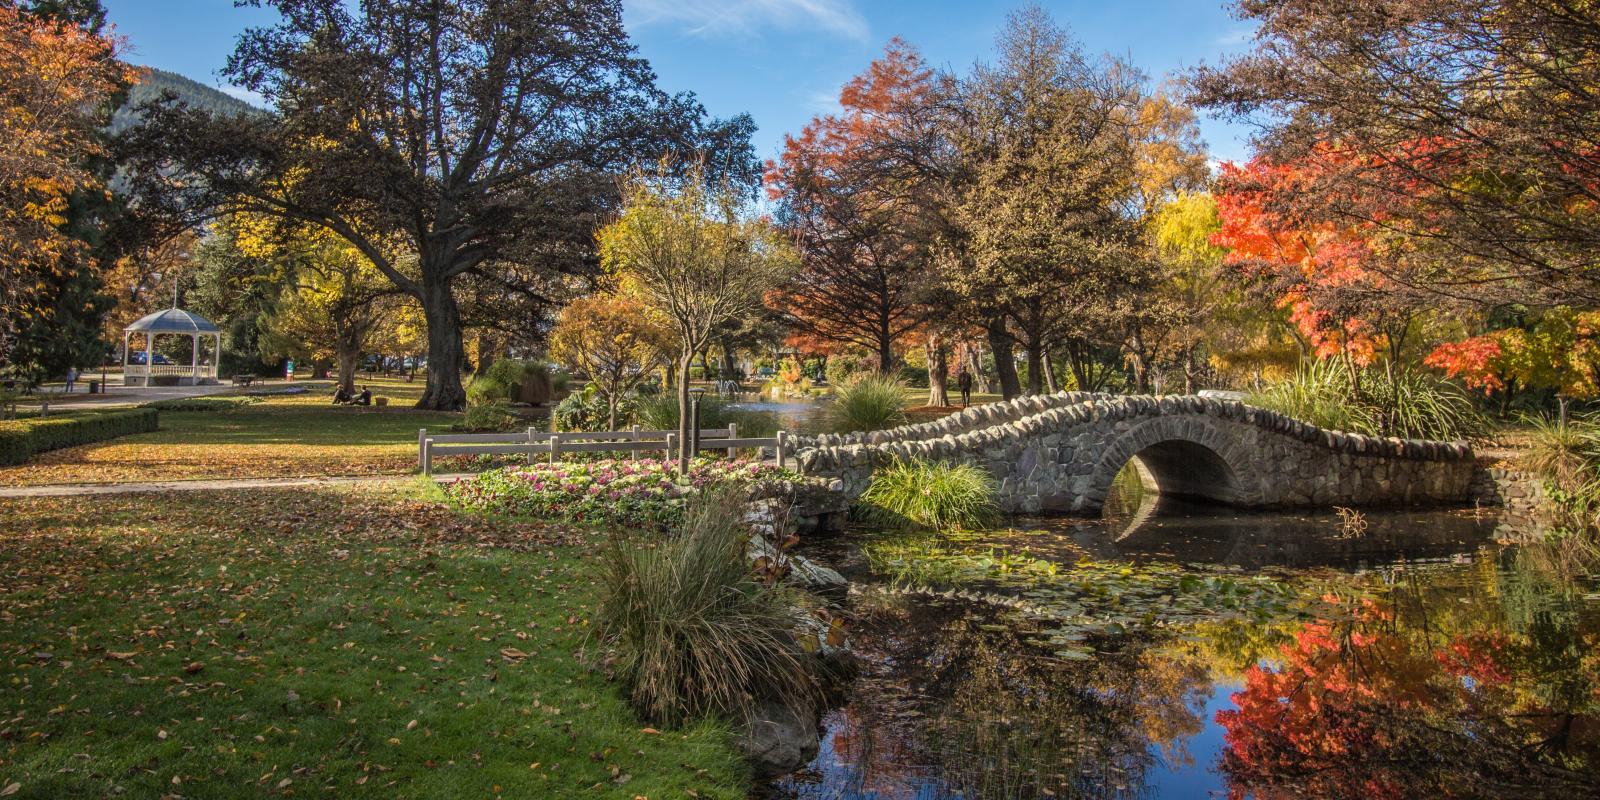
[
  {"x": 1565, "y": 453},
  {"x": 694, "y": 634},
  {"x": 586, "y": 411},
  {"x": 929, "y": 494},
  {"x": 868, "y": 402},
  {"x": 845, "y": 367},
  {"x": 216, "y": 404},
  {"x": 1410, "y": 405},
  {"x": 505, "y": 377},
  {"x": 660, "y": 413},
  {"x": 489, "y": 416},
  {"x": 22, "y": 438}
]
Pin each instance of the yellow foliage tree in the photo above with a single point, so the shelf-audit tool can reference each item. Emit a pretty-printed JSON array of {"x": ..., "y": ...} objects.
[{"x": 615, "y": 341}]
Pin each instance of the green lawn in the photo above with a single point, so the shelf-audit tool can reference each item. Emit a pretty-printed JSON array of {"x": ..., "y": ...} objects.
[
  {"x": 296, "y": 435},
  {"x": 314, "y": 643}
]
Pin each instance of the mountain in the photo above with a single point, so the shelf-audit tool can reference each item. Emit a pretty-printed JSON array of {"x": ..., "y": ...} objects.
[{"x": 192, "y": 92}]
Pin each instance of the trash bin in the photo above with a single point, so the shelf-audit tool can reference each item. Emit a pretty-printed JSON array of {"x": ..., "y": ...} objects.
[{"x": 94, "y": 387}]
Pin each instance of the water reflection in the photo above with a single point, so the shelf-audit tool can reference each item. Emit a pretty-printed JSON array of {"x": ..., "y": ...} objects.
[{"x": 1422, "y": 659}]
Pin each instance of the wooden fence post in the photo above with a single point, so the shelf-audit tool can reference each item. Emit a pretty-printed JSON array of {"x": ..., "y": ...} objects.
[
  {"x": 531, "y": 431},
  {"x": 733, "y": 433},
  {"x": 672, "y": 443},
  {"x": 555, "y": 446},
  {"x": 422, "y": 450},
  {"x": 783, "y": 441}
]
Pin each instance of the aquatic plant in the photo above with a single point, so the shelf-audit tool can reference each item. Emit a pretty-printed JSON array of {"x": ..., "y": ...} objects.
[
  {"x": 692, "y": 632},
  {"x": 867, "y": 402},
  {"x": 929, "y": 494},
  {"x": 1078, "y": 602}
]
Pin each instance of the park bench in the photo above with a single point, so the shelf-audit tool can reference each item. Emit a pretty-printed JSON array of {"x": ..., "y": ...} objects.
[{"x": 243, "y": 380}]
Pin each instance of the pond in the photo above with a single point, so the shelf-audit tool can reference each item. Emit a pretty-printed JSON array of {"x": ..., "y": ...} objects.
[{"x": 1175, "y": 651}]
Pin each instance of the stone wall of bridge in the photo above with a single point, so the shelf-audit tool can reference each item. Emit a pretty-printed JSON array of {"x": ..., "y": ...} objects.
[{"x": 1061, "y": 453}]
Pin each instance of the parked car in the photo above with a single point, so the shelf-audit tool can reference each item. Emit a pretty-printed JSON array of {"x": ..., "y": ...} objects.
[{"x": 138, "y": 358}]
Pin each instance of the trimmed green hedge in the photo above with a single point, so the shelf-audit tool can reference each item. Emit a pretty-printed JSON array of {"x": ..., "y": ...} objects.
[{"x": 21, "y": 439}]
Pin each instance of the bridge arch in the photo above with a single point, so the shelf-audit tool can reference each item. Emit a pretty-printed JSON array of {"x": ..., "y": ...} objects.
[{"x": 1191, "y": 459}]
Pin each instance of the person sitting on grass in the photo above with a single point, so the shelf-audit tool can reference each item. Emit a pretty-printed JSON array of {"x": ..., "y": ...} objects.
[
  {"x": 341, "y": 397},
  {"x": 365, "y": 399}
]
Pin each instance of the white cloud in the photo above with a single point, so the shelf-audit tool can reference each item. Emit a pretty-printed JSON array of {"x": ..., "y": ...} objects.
[{"x": 734, "y": 17}]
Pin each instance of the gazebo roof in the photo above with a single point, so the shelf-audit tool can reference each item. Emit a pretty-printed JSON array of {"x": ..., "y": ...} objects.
[{"x": 173, "y": 320}]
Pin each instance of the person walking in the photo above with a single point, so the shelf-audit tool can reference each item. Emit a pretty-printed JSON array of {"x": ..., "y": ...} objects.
[
  {"x": 964, "y": 383},
  {"x": 72, "y": 378}
]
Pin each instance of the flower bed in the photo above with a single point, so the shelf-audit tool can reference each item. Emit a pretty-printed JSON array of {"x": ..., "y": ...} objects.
[{"x": 623, "y": 492}]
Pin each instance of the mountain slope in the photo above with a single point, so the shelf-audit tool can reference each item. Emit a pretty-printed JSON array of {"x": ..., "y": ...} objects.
[{"x": 192, "y": 92}]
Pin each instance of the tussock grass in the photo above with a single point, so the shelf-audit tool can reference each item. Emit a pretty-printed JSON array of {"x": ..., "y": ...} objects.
[
  {"x": 1408, "y": 404},
  {"x": 694, "y": 634},
  {"x": 930, "y": 494},
  {"x": 868, "y": 402}
]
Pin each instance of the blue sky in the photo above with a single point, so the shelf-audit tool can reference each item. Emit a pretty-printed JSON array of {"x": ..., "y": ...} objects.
[{"x": 781, "y": 60}]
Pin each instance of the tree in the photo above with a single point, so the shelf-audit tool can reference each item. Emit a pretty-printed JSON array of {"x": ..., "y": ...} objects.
[
  {"x": 1047, "y": 139},
  {"x": 1559, "y": 351},
  {"x": 1459, "y": 131},
  {"x": 332, "y": 297},
  {"x": 56, "y": 91},
  {"x": 855, "y": 190},
  {"x": 692, "y": 249},
  {"x": 614, "y": 340},
  {"x": 485, "y": 134}
]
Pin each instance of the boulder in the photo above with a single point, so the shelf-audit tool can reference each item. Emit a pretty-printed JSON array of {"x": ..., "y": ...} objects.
[{"x": 777, "y": 739}]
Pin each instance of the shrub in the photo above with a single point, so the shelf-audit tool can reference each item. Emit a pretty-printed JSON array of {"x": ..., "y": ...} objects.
[
  {"x": 1565, "y": 453},
  {"x": 929, "y": 494},
  {"x": 660, "y": 413},
  {"x": 489, "y": 416},
  {"x": 511, "y": 380},
  {"x": 869, "y": 402},
  {"x": 213, "y": 404},
  {"x": 1411, "y": 404},
  {"x": 845, "y": 367},
  {"x": 586, "y": 411},
  {"x": 21, "y": 439},
  {"x": 694, "y": 634}
]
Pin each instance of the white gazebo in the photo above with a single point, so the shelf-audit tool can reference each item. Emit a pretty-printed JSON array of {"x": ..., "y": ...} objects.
[{"x": 175, "y": 322}]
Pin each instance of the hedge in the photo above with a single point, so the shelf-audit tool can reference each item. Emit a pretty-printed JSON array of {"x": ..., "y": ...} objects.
[{"x": 21, "y": 439}]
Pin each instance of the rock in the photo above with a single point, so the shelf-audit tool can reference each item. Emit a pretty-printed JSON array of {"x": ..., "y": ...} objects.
[
  {"x": 803, "y": 572},
  {"x": 777, "y": 739}
]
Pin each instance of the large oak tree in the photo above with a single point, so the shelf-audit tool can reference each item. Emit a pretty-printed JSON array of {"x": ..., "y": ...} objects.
[{"x": 486, "y": 134}]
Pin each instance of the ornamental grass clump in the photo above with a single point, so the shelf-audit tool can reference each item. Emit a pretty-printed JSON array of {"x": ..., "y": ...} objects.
[
  {"x": 870, "y": 402},
  {"x": 1376, "y": 402},
  {"x": 692, "y": 632},
  {"x": 930, "y": 494}
]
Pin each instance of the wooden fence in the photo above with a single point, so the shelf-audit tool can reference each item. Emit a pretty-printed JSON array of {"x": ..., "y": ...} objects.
[{"x": 534, "y": 442}]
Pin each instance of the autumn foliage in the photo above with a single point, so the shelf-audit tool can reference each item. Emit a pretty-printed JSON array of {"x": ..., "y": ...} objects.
[{"x": 56, "y": 80}]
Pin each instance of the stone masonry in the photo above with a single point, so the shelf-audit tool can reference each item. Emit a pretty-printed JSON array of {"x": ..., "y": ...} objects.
[{"x": 1060, "y": 453}]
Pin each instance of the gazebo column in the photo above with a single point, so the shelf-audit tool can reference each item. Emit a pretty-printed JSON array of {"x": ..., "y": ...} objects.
[
  {"x": 149, "y": 357},
  {"x": 194, "y": 357},
  {"x": 126, "y": 336}
]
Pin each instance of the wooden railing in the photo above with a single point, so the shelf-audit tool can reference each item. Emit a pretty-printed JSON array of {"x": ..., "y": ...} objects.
[{"x": 534, "y": 442}]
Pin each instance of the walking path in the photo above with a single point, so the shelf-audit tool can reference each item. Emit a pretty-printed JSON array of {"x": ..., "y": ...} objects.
[{"x": 90, "y": 489}]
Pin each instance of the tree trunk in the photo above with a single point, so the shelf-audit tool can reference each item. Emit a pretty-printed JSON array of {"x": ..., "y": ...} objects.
[
  {"x": 1049, "y": 374},
  {"x": 685, "y": 361},
  {"x": 1000, "y": 343},
  {"x": 885, "y": 353},
  {"x": 349, "y": 354},
  {"x": 938, "y": 372},
  {"x": 1140, "y": 367},
  {"x": 730, "y": 367},
  {"x": 445, "y": 354},
  {"x": 319, "y": 368},
  {"x": 1035, "y": 369}
]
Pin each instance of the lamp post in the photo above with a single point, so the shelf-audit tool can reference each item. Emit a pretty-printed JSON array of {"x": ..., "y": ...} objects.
[{"x": 691, "y": 444}]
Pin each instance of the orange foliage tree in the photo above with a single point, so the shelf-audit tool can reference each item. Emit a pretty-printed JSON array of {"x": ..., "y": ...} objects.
[{"x": 54, "y": 89}]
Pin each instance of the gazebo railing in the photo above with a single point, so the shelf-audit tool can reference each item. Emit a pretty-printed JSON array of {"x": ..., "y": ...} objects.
[{"x": 181, "y": 370}]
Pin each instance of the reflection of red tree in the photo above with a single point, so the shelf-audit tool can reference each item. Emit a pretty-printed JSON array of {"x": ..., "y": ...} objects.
[
  {"x": 1363, "y": 707},
  {"x": 1315, "y": 723}
]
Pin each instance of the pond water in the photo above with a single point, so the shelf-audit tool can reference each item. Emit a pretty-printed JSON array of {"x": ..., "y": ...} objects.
[{"x": 1174, "y": 651}]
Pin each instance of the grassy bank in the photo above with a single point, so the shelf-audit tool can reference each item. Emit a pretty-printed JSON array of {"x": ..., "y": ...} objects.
[{"x": 314, "y": 643}]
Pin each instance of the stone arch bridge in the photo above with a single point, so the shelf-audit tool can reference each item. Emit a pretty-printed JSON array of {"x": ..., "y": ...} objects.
[{"x": 1061, "y": 453}]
